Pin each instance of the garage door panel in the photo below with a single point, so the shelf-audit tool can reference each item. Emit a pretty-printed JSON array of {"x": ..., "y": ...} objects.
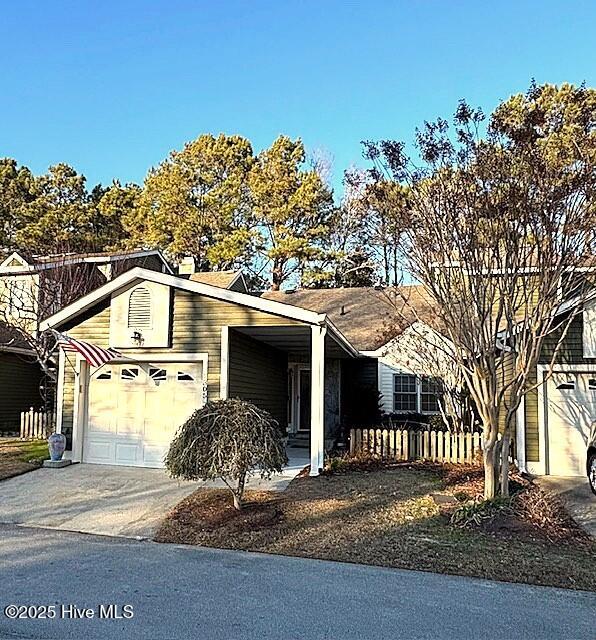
[
  {"x": 100, "y": 451},
  {"x": 127, "y": 453},
  {"x": 571, "y": 410},
  {"x": 153, "y": 454},
  {"x": 134, "y": 413}
]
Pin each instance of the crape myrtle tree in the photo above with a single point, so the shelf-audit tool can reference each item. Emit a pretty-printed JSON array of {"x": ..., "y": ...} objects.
[
  {"x": 502, "y": 219},
  {"x": 227, "y": 440}
]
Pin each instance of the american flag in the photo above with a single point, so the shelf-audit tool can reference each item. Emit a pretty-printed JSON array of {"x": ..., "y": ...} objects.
[{"x": 94, "y": 355}]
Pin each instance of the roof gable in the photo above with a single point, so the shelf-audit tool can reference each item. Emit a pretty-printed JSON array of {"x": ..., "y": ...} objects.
[
  {"x": 224, "y": 279},
  {"x": 15, "y": 262},
  {"x": 138, "y": 274}
]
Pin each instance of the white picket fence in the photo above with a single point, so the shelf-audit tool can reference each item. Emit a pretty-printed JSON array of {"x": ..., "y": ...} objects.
[
  {"x": 37, "y": 424},
  {"x": 401, "y": 444}
]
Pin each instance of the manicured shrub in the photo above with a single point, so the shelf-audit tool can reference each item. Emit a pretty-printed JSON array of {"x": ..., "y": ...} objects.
[{"x": 229, "y": 440}]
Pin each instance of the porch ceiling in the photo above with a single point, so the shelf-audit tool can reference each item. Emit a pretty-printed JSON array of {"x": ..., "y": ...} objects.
[{"x": 292, "y": 339}]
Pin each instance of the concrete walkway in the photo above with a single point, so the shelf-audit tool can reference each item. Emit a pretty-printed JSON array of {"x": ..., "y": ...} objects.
[
  {"x": 185, "y": 592},
  {"x": 107, "y": 500},
  {"x": 577, "y": 497}
]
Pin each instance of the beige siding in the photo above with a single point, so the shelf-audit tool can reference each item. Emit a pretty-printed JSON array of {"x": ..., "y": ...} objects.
[
  {"x": 508, "y": 363},
  {"x": 196, "y": 328},
  {"x": 259, "y": 373}
]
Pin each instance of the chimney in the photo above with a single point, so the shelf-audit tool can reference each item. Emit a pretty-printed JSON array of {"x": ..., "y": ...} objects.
[{"x": 187, "y": 266}]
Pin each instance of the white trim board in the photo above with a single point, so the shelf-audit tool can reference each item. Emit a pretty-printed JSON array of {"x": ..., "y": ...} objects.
[
  {"x": 224, "y": 374},
  {"x": 138, "y": 274},
  {"x": 210, "y": 291}
]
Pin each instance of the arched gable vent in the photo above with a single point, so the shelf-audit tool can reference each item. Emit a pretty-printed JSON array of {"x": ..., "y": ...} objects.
[{"x": 139, "y": 309}]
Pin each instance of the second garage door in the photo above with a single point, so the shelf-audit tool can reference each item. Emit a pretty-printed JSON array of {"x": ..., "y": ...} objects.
[
  {"x": 134, "y": 411},
  {"x": 571, "y": 406}
]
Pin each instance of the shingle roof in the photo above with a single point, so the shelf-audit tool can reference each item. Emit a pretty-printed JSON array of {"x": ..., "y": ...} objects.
[
  {"x": 367, "y": 316},
  {"x": 222, "y": 279}
]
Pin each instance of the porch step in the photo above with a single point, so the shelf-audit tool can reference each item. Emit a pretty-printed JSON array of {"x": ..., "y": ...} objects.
[{"x": 299, "y": 440}]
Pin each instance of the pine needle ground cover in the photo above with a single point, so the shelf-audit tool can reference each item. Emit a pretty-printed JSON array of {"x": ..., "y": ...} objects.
[{"x": 400, "y": 517}]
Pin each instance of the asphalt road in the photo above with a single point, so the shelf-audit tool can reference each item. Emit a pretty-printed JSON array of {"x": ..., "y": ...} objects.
[{"x": 185, "y": 592}]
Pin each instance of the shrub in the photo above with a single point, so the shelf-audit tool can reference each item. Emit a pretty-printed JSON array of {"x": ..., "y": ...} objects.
[
  {"x": 227, "y": 439},
  {"x": 474, "y": 513}
]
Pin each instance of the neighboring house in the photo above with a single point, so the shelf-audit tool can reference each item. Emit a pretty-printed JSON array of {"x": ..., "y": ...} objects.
[
  {"x": 20, "y": 378},
  {"x": 32, "y": 288},
  {"x": 184, "y": 341},
  {"x": 377, "y": 322}
]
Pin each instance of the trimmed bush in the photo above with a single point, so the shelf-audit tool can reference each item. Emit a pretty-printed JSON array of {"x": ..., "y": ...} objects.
[{"x": 227, "y": 439}]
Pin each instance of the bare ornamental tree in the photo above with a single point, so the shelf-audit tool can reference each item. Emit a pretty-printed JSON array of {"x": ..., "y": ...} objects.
[{"x": 501, "y": 235}]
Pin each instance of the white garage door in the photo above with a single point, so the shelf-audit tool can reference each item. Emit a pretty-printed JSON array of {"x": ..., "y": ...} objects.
[
  {"x": 134, "y": 411},
  {"x": 571, "y": 402}
]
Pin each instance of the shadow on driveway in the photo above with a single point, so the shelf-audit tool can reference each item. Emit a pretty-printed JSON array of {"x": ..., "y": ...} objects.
[
  {"x": 577, "y": 497},
  {"x": 102, "y": 499}
]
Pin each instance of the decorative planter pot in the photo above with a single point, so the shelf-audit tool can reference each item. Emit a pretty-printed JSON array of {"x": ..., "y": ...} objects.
[{"x": 56, "y": 445}]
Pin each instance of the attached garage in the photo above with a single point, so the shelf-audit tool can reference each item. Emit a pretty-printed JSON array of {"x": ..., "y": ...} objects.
[
  {"x": 570, "y": 409},
  {"x": 135, "y": 408}
]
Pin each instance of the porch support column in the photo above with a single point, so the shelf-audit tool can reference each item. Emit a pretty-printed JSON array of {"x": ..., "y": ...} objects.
[{"x": 317, "y": 400}]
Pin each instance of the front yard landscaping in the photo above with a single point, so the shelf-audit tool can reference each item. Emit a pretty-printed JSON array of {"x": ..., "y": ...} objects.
[
  {"x": 411, "y": 516},
  {"x": 20, "y": 456}
]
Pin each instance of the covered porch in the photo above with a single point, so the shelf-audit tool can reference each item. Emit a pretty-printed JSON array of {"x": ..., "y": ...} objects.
[{"x": 292, "y": 371}]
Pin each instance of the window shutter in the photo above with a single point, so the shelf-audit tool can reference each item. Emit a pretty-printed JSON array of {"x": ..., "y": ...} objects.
[{"x": 139, "y": 309}]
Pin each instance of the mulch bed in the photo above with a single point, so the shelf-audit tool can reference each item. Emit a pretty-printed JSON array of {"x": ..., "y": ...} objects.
[{"x": 388, "y": 517}]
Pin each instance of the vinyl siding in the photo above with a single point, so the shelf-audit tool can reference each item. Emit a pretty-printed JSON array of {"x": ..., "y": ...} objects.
[
  {"x": 571, "y": 352},
  {"x": 196, "y": 328},
  {"x": 507, "y": 374},
  {"x": 19, "y": 388},
  {"x": 259, "y": 373},
  {"x": 386, "y": 386}
]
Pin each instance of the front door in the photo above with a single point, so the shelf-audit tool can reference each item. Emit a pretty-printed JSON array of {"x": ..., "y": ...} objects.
[{"x": 304, "y": 399}]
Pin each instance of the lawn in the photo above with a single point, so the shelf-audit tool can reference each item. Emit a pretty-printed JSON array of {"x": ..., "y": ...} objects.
[
  {"x": 395, "y": 517},
  {"x": 20, "y": 456}
]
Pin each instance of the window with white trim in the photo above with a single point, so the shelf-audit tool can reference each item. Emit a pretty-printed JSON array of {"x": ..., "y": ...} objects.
[
  {"x": 157, "y": 374},
  {"x": 139, "y": 309},
  {"x": 412, "y": 394},
  {"x": 405, "y": 393},
  {"x": 430, "y": 393},
  {"x": 131, "y": 373}
]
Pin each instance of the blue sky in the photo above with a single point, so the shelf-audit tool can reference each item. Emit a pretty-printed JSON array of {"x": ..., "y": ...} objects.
[{"x": 112, "y": 87}]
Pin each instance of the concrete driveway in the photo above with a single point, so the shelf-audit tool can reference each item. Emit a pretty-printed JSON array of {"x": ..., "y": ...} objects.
[
  {"x": 102, "y": 499},
  {"x": 577, "y": 497}
]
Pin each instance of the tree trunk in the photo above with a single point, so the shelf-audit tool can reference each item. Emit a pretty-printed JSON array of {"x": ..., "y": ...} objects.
[
  {"x": 505, "y": 466},
  {"x": 490, "y": 469},
  {"x": 276, "y": 276},
  {"x": 239, "y": 492}
]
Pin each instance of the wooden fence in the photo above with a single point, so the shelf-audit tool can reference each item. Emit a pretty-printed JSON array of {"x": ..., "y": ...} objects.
[
  {"x": 398, "y": 444},
  {"x": 37, "y": 424}
]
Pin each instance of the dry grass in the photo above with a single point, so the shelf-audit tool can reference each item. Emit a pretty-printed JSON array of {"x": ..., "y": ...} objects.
[
  {"x": 20, "y": 456},
  {"x": 384, "y": 517}
]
